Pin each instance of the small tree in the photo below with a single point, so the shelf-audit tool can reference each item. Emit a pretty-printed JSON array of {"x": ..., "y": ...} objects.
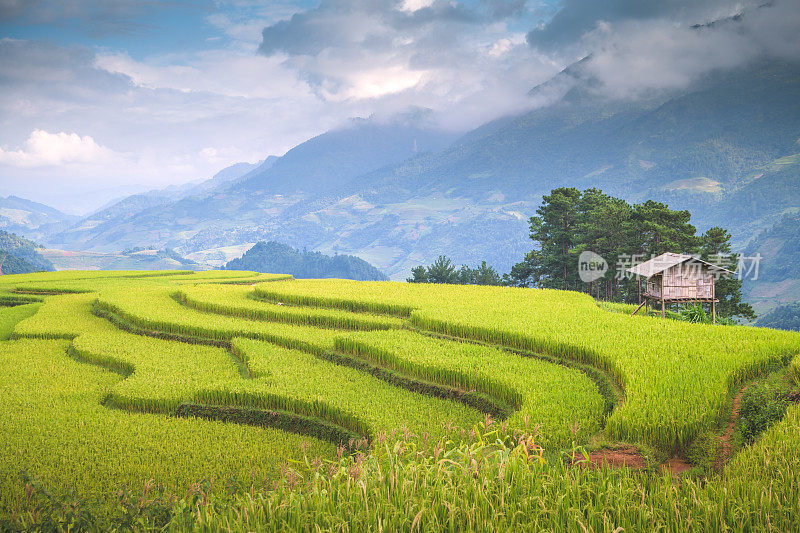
[
  {"x": 486, "y": 275},
  {"x": 418, "y": 275},
  {"x": 442, "y": 271}
]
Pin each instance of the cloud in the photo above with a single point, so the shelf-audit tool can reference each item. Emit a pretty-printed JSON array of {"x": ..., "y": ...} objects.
[
  {"x": 462, "y": 60},
  {"x": 655, "y": 46},
  {"x": 575, "y": 18},
  {"x": 48, "y": 149},
  {"x": 99, "y": 18}
]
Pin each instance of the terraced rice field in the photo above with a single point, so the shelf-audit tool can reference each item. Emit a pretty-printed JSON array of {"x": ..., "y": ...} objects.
[{"x": 222, "y": 382}]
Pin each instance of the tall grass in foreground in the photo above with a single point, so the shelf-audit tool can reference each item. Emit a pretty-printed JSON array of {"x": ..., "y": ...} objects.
[{"x": 489, "y": 483}]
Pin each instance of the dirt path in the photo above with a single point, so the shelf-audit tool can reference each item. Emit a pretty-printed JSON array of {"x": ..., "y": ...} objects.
[{"x": 725, "y": 440}]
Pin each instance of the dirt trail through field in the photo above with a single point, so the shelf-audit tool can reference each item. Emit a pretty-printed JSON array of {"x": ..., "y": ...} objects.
[{"x": 725, "y": 440}]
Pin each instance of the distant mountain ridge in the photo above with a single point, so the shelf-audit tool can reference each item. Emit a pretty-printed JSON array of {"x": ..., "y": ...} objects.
[
  {"x": 725, "y": 148},
  {"x": 32, "y": 219},
  {"x": 277, "y": 258},
  {"x": 84, "y": 234}
]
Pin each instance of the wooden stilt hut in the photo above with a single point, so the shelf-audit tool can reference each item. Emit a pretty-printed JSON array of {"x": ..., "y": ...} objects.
[{"x": 679, "y": 278}]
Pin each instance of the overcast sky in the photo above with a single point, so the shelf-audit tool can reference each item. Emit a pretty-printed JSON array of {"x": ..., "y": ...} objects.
[{"x": 103, "y": 98}]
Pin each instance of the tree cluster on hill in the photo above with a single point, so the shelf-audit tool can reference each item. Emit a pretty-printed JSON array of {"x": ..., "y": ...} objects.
[
  {"x": 279, "y": 258},
  {"x": 784, "y": 317},
  {"x": 571, "y": 221},
  {"x": 20, "y": 256},
  {"x": 444, "y": 271}
]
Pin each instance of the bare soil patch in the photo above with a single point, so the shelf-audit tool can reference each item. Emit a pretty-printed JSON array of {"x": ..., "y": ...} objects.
[
  {"x": 675, "y": 466},
  {"x": 619, "y": 457}
]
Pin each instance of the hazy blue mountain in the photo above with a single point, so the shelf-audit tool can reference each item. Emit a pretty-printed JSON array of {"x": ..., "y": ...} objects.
[
  {"x": 256, "y": 205},
  {"x": 31, "y": 219},
  {"x": 117, "y": 213},
  {"x": 20, "y": 256},
  {"x": 132, "y": 259},
  {"x": 279, "y": 258},
  {"x": 328, "y": 161},
  {"x": 784, "y": 317},
  {"x": 398, "y": 194},
  {"x": 778, "y": 280}
]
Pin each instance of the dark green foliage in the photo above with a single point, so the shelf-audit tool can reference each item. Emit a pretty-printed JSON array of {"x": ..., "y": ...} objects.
[
  {"x": 695, "y": 314},
  {"x": 703, "y": 452},
  {"x": 443, "y": 271},
  {"x": 762, "y": 404},
  {"x": 570, "y": 222},
  {"x": 784, "y": 317},
  {"x": 20, "y": 256},
  {"x": 419, "y": 274},
  {"x": 660, "y": 229},
  {"x": 715, "y": 247},
  {"x": 483, "y": 275},
  {"x": 279, "y": 258},
  {"x": 10, "y": 264}
]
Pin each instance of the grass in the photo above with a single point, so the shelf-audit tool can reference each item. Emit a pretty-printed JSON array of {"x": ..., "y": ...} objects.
[
  {"x": 154, "y": 308},
  {"x": 338, "y": 359},
  {"x": 57, "y": 437},
  {"x": 492, "y": 484},
  {"x": 237, "y": 301},
  {"x": 11, "y": 316},
  {"x": 563, "y": 402},
  {"x": 675, "y": 375},
  {"x": 300, "y": 382}
]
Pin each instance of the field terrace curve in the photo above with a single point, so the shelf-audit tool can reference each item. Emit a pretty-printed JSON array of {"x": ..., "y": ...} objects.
[
  {"x": 676, "y": 376},
  {"x": 169, "y": 310}
]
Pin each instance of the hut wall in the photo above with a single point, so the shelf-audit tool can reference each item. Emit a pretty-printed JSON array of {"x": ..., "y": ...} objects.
[
  {"x": 652, "y": 286},
  {"x": 687, "y": 280}
]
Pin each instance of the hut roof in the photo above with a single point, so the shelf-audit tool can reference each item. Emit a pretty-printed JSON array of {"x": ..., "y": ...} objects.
[{"x": 662, "y": 262}]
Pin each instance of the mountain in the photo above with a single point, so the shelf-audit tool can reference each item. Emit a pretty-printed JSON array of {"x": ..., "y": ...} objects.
[
  {"x": 31, "y": 219},
  {"x": 398, "y": 194},
  {"x": 784, "y": 317},
  {"x": 279, "y": 258},
  {"x": 20, "y": 256},
  {"x": 133, "y": 259},
  {"x": 82, "y": 234},
  {"x": 778, "y": 254},
  {"x": 246, "y": 209}
]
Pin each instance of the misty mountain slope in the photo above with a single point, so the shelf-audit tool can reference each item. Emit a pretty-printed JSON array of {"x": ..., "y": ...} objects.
[
  {"x": 20, "y": 256},
  {"x": 714, "y": 148},
  {"x": 118, "y": 213},
  {"x": 778, "y": 274},
  {"x": 31, "y": 219},
  {"x": 328, "y": 161},
  {"x": 718, "y": 131},
  {"x": 242, "y": 210},
  {"x": 277, "y": 258}
]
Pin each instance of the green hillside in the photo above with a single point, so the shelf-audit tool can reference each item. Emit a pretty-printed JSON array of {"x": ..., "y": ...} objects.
[
  {"x": 276, "y": 257},
  {"x": 20, "y": 256}
]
